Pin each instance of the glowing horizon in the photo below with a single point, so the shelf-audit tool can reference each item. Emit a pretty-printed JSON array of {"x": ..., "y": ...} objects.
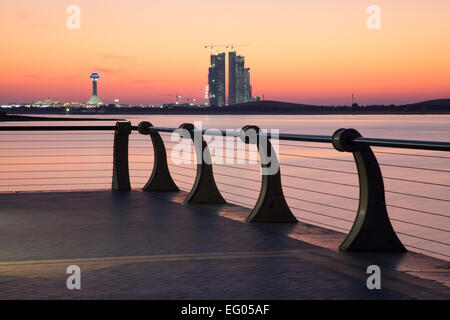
[{"x": 314, "y": 52}]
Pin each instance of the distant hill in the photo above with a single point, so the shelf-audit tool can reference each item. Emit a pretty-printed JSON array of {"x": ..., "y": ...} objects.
[
  {"x": 274, "y": 104},
  {"x": 434, "y": 104}
]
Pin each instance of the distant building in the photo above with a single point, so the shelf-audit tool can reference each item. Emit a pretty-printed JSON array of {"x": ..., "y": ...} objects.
[
  {"x": 74, "y": 104},
  {"x": 232, "y": 63},
  {"x": 216, "y": 80},
  {"x": 94, "y": 100},
  {"x": 239, "y": 88},
  {"x": 47, "y": 103}
]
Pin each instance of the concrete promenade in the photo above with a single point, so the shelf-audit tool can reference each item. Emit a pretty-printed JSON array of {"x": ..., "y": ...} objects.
[{"x": 139, "y": 245}]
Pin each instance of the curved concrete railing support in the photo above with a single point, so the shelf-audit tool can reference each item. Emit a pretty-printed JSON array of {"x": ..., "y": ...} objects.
[
  {"x": 204, "y": 189},
  {"x": 372, "y": 229},
  {"x": 121, "y": 174},
  {"x": 160, "y": 179},
  {"x": 271, "y": 205}
]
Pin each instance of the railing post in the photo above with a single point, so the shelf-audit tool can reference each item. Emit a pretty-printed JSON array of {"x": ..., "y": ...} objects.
[
  {"x": 372, "y": 229},
  {"x": 160, "y": 179},
  {"x": 204, "y": 189},
  {"x": 121, "y": 174},
  {"x": 271, "y": 205}
]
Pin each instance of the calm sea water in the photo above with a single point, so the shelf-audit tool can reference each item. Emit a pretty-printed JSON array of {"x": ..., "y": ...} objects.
[{"x": 316, "y": 192}]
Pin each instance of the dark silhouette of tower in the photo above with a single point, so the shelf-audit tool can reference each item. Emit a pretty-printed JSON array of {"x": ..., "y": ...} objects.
[
  {"x": 94, "y": 100},
  {"x": 232, "y": 63},
  {"x": 216, "y": 80},
  {"x": 239, "y": 88}
]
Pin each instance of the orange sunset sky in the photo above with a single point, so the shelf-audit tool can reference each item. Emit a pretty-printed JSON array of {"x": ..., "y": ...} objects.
[{"x": 317, "y": 52}]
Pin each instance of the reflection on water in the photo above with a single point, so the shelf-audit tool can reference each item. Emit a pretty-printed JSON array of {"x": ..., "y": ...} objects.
[{"x": 320, "y": 184}]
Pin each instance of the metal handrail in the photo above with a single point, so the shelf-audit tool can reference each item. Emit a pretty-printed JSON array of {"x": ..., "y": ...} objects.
[
  {"x": 363, "y": 141},
  {"x": 57, "y": 128},
  {"x": 404, "y": 144}
]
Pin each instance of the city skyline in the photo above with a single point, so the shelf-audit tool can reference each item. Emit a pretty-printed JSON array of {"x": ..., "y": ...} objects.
[{"x": 314, "y": 53}]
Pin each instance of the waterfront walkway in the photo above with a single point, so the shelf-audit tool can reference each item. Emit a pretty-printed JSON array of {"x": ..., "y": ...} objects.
[{"x": 140, "y": 245}]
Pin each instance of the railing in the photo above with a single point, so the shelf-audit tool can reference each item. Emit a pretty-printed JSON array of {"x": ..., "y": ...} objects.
[{"x": 304, "y": 192}]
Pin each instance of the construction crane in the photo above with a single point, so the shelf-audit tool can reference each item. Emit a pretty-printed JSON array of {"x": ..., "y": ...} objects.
[
  {"x": 212, "y": 46},
  {"x": 232, "y": 46},
  {"x": 172, "y": 95}
]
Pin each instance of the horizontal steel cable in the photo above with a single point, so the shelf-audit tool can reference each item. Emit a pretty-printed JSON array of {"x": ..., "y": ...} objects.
[
  {"x": 332, "y": 170},
  {"x": 313, "y": 157},
  {"x": 321, "y": 204},
  {"x": 418, "y": 211},
  {"x": 321, "y": 192},
  {"x": 73, "y": 155},
  {"x": 241, "y": 187},
  {"x": 355, "y": 211},
  {"x": 223, "y": 183},
  {"x": 415, "y": 168},
  {"x": 375, "y": 151},
  {"x": 239, "y": 168},
  {"x": 183, "y": 175},
  {"x": 355, "y": 173},
  {"x": 58, "y": 155},
  {"x": 57, "y": 163},
  {"x": 228, "y": 175},
  {"x": 417, "y": 196},
  {"x": 321, "y": 214},
  {"x": 55, "y": 140},
  {"x": 305, "y": 146},
  {"x": 320, "y": 180},
  {"x": 420, "y": 225},
  {"x": 357, "y": 186},
  {"x": 414, "y": 195},
  {"x": 59, "y": 133},
  {"x": 323, "y": 224},
  {"x": 390, "y": 191},
  {"x": 421, "y": 238},
  {"x": 284, "y": 175},
  {"x": 351, "y": 198},
  {"x": 350, "y": 185},
  {"x": 315, "y": 168},
  {"x": 49, "y": 171},
  {"x": 239, "y": 195},
  {"x": 187, "y": 168},
  {"x": 141, "y": 162},
  {"x": 416, "y": 181},
  {"x": 55, "y": 148},
  {"x": 51, "y": 178},
  {"x": 412, "y": 154},
  {"x": 56, "y": 184}
]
